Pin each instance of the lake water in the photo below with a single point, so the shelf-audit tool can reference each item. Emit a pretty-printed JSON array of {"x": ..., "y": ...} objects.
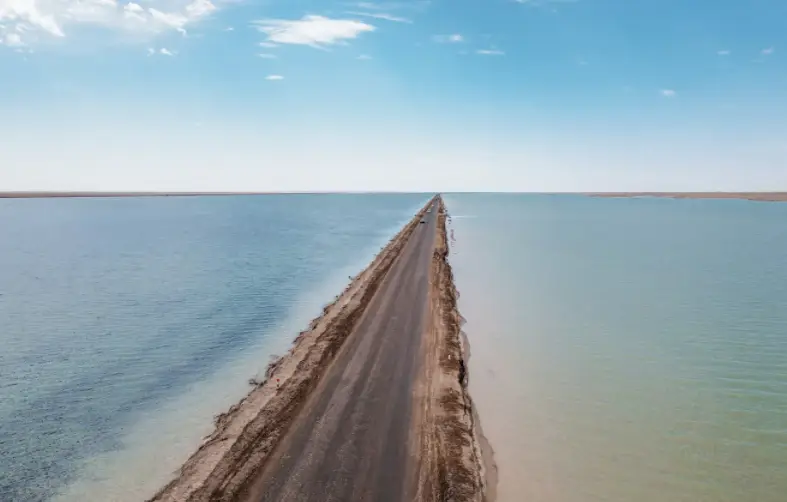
[
  {"x": 627, "y": 349},
  {"x": 126, "y": 324}
]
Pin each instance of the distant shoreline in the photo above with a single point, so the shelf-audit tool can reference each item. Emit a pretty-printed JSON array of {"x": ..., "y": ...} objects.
[
  {"x": 87, "y": 194},
  {"x": 755, "y": 196}
]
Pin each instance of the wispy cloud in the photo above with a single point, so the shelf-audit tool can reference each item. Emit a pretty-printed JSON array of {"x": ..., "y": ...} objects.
[
  {"x": 723, "y": 52},
  {"x": 314, "y": 31},
  {"x": 37, "y": 19},
  {"x": 448, "y": 39},
  {"x": 162, "y": 51},
  {"x": 274, "y": 77},
  {"x": 668, "y": 93},
  {"x": 364, "y": 57},
  {"x": 380, "y": 15},
  {"x": 267, "y": 56},
  {"x": 490, "y": 52},
  {"x": 768, "y": 51},
  {"x": 268, "y": 45}
]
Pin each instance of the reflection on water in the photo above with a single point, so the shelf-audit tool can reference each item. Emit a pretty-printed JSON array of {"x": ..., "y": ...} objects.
[{"x": 627, "y": 350}]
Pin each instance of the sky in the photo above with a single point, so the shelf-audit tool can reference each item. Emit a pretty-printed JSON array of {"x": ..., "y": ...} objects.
[{"x": 432, "y": 95}]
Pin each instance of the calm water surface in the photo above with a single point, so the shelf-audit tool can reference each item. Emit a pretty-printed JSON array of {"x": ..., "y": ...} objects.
[
  {"x": 627, "y": 349},
  {"x": 127, "y": 323}
]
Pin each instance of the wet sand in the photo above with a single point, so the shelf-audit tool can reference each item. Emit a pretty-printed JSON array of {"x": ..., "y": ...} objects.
[
  {"x": 414, "y": 423},
  {"x": 755, "y": 196}
]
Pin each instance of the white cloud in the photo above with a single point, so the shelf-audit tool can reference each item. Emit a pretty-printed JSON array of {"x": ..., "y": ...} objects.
[
  {"x": 381, "y": 15},
  {"x": 490, "y": 52},
  {"x": 134, "y": 13},
  {"x": 12, "y": 40},
  {"x": 162, "y": 51},
  {"x": 448, "y": 39},
  {"x": 37, "y": 19},
  {"x": 274, "y": 77},
  {"x": 268, "y": 45},
  {"x": 768, "y": 51},
  {"x": 723, "y": 52},
  {"x": 668, "y": 93},
  {"x": 314, "y": 31},
  {"x": 27, "y": 12},
  {"x": 170, "y": 19},
  {"x": 267, "y": 56},
  {"x": 199, "y": 8},
  {"x": 364, "y": 57}
]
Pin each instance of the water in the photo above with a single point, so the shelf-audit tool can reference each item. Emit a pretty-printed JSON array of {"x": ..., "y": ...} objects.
[
  {"x": 127, "y": 323},
  {"x": 627, "y": 349}
]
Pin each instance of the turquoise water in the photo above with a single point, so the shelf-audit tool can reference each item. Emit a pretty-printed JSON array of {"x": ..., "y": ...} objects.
[
  {"x": 127, "y": 323},
  {"x": 627, "y": 349}
]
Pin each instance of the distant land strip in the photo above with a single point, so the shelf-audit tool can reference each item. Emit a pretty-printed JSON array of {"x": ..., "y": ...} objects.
[
  {"x": 52, "y": 195},
  {"x": 756, "y": 196}
]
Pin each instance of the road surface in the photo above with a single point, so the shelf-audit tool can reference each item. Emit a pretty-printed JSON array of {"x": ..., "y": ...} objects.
[{"x": 350, "y": 441}]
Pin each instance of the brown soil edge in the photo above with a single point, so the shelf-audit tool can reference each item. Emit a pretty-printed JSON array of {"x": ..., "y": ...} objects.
[
  {"x": 753, "y": 196},
  {"x": 247, "y": 433},
  {"x": 450, "y": 457}
]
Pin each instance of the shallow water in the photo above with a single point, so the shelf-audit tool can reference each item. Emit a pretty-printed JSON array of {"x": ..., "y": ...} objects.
[
  {"x": 126, "y": 324},
  {"x": 627, "y": 349}
]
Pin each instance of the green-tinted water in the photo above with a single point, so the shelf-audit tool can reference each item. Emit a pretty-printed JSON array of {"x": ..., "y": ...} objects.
[{"x": 628, "y": 349}]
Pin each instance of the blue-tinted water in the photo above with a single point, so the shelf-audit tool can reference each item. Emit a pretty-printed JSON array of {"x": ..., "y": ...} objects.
[
  {"x": 126, "y": 323},
  {"x": 627, "y": 349}
]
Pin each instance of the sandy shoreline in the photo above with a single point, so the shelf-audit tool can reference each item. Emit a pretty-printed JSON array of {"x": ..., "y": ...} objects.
[{"x": 754, "y": 196}]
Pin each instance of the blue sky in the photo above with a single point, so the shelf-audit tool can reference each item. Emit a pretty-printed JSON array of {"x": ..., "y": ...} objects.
[{"x": 413, "y": 95}]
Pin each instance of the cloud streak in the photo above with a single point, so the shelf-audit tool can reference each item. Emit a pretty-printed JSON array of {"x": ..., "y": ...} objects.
[
  {"x": 381, "y": 15},
  {"x": 449, "y": 39},
  {"x": 314, "y": 31},
  {"x": 490, "y": 52}
]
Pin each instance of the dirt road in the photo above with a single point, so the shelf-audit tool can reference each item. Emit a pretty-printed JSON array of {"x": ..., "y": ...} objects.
[{"x": 350, "y": 441}]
